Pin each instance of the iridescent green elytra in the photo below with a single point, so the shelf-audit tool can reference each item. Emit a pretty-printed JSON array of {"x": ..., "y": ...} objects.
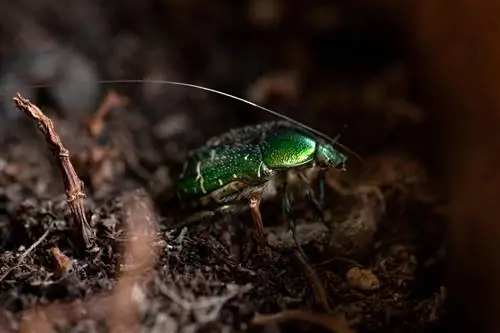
[
  {"x": 250, "y": 163},
  {"x": 253, "y": 155}
]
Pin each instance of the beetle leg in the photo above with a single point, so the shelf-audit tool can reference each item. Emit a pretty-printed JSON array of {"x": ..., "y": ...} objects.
[
  {"x": 322, "y": 185},
  {"x": 288, "y": 214},
  {"x": 309, "y": 194},
  {"x": 255, "y": 200}
]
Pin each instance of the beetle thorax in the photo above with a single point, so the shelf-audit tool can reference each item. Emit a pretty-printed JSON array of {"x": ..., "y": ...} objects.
[{"x": 329, "y": 157}]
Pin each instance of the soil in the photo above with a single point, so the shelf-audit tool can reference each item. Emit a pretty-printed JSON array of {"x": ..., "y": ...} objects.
[{"x": 378, "y": 251}]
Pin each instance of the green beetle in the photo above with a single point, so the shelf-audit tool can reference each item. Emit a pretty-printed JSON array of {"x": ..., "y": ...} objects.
[{"x": 238, "y": 169}]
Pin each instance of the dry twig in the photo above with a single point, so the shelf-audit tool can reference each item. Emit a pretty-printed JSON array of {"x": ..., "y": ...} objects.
[
  {"x": 335, "y": 322},
  {"x": 95, "y": 123},
  {"x": 139, "y": 259},
  {"x": 96, "y": 161},
  {"x": 72, "y": 184},
  {"x": 320, "y": 294}
]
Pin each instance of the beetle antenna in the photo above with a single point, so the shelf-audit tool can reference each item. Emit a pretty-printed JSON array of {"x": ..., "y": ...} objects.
[
  {"x": 189, "y": 85},
  {"x": 275, "y": 113},
  {"x": 337, "y": 137},
  {"x": 335, "y": 141}
]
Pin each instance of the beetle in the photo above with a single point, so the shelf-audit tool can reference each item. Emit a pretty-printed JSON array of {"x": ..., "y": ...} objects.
[{"x": 244, "y": 166}]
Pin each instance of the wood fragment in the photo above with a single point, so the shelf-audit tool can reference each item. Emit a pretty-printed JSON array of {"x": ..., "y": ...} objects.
[
  {"x": 334, "y": 322},
  {"x": 320, "y": 294},
  {"x": 73, "y": 185},
  {"x": 95, "y": 123}
]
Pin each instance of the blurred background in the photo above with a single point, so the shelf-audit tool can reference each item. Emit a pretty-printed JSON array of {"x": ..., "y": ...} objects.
[
  {"x": 320, "y": 61},
  {"x": 402, "y": 77}
]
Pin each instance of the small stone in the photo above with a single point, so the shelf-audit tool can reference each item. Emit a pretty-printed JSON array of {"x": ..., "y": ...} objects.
[{"x": 362, "y": 279}]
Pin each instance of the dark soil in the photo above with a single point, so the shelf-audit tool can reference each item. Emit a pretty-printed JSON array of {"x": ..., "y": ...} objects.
[{"x": 323, "y": 64}]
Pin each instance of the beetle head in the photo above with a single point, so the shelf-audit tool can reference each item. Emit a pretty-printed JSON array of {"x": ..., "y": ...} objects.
[{"x": 328, "y": 157}]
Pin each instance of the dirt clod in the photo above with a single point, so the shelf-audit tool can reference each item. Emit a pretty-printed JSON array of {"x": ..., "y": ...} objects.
[{"x": 362, "y": 279}]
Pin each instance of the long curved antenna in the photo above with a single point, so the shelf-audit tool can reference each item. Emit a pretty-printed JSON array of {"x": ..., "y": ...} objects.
[
  {"x": 189, "y": 85},
  {"x": 275, "y": 113},
  {"x": 335, "y": 141}
]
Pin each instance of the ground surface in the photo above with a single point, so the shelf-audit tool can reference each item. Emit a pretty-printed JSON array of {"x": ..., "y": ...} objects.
[{"x": 382, "y": 217}]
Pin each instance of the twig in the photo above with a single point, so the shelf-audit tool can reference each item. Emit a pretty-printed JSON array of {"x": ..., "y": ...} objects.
[
  {"x": 318, "y": 288},
  {"x": 96, "y": 158},
  {"x": 94, "y": 124},
  {"x": 139, "y": 256},
  {"x": 27, "y": 252},
  {"x": 72, "y": 184},
  {"x": 335, "y": 322}
]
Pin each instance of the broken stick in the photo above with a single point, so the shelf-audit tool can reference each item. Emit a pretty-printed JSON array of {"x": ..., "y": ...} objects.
[{"x": 72, "y": 184}]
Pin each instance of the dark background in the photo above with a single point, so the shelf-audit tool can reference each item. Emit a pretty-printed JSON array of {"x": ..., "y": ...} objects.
[{"x": 346, "y": 61}]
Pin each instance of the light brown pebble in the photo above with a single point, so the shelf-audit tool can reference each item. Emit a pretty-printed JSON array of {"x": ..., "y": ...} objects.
[{"x": 362, "y": 279}]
